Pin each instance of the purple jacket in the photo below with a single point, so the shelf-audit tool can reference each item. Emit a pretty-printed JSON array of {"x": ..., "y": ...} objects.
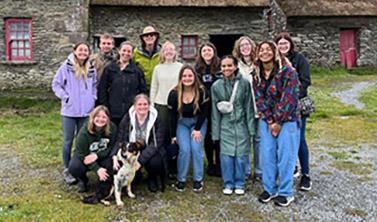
[{"x": 77, "y": 96}]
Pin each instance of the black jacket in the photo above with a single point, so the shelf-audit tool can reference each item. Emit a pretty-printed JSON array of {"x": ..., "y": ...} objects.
[
  {"x": 117, "y": 89},
  {"x": 301, "y": 64}
]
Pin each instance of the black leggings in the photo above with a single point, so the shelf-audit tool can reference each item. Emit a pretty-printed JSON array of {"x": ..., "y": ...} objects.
[{"x": 211, "y": 147}]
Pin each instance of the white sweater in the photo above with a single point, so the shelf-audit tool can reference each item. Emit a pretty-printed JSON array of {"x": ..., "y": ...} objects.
[{"x": 164, "y": 78}]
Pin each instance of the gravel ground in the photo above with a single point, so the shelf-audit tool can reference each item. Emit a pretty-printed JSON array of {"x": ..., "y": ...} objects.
[{"x": 350, "y": 96}]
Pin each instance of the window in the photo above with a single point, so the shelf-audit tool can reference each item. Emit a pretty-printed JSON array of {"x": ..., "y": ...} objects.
[
  {"x": 189, "y": 46},
  {"x": 18, "y": 39}
]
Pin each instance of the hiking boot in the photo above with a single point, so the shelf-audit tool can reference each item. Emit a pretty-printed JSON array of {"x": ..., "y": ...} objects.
[
  {"x": 198, "y": 186},
  {"x": 296, "y": 173},
  {"x": 283, "y": 201},
  {"x": 81, "y": 186},
  {"x": 68, "y": 178},
  {"x": 265, "y": 197},
  {"x": 227, "y": 191},
  {"x": 305, "y": 183},
  {"x": 180, "y": 186},
  {"x": 152, "y": 185}
]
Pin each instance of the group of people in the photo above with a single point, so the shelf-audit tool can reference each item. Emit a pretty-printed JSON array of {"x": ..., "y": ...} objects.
[{"x": 218, "y": 108}]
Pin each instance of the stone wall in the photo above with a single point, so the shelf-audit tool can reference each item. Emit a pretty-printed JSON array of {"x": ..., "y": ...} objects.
[
  {"x": 171, "y": 22},
  {"x": 56, "y": 26}
]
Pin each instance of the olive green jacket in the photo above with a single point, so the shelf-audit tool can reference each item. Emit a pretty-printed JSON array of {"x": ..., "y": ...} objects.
[
  {"x": 234, "y": 130},
  {"x": 146, "y": 63}
]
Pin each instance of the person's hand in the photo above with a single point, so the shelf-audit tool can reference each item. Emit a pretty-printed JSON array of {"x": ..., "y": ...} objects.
[
  {"x": 174, "y": 140},
  {"x": 196, "y": 135},
  {"x": 137, "y": 165},
  {"x": 275, "y": 129},
  {"x": 91, "y": 158},
  {"x": 115, "y": 163},
  {"x": 102, "y": 174}
]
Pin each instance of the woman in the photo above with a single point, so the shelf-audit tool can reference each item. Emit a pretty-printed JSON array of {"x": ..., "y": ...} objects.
[
  {"x": 75, "y": 85},
  {"x": 141, "y": 125},
  {"x": 276, "y": 87},
  {"x": 121, "y": 81},
  {"x": 94, "y": 144},
  {"x": 208, "y": 67},
  {"x": 189, "y": 103},
  {"x": 147, "y": 56},
  {"x": 234, "y": 129},
  {"x": 244, "y": 51},
  {"x": 165, "y": 77},
  {"x": 299, "y": 62}
]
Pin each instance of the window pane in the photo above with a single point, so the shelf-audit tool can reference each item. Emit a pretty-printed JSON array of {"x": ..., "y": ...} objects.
[
  {"x": 14, "y": 52},
  {"x": 192, "y": 41},
  {"x": 21, "y": 52},
  {"x": 14, "y": 44},
  {"x": 19, "y": 35},
  {"x": 27, "y": 52},
  {"x": 13, "y": 26},
  {"x": 13, "y": 35},
  {"x": 26, "y": 26},
  {"x": 27, "y": 44},
  {"x": 185, "y": 41},
  {"x": 20, "y": 44},
  {"x": 26, "y": 35},
  {"x": 19, "y": 25}
]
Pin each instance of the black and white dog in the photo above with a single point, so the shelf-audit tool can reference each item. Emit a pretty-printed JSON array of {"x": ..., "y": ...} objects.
[{"x": 127, "y": 156}]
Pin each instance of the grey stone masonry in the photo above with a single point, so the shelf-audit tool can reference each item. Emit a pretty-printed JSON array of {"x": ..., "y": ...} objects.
[{"x": 56, "y": 26}]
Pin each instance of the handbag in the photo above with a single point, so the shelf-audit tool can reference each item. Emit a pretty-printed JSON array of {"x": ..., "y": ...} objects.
[
  {"x": 306, "y": 105},
  {"x": 226, "y": 107}
]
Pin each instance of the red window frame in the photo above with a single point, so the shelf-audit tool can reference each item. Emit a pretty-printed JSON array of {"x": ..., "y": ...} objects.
[
  {"x": 188, "y": 43},
  {"x": 18, "y": 39}
]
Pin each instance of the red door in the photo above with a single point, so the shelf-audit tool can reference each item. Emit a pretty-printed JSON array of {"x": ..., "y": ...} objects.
[{"x": 348, "y": 49}]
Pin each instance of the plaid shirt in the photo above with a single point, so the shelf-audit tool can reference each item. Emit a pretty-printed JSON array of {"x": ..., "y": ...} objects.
[{"x": 277, "y": 98}]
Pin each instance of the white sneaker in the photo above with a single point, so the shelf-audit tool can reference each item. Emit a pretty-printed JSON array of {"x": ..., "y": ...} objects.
[
  {"x": 68, "y": 178},
  {"x": 227, "y": 191},
  {"x": 239, "y": 191}
]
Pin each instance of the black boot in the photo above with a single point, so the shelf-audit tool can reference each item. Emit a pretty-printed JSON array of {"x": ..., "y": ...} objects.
[
  {"x": 152, "y": 184},
  {"x": 82, "y": 186}
]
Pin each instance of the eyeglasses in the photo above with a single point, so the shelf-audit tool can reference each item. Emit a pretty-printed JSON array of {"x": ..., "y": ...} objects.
[{"x": 245, "y": 45}]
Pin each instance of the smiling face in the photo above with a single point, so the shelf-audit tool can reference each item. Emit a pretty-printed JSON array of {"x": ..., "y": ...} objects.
[
  {"x": 149, "y": 39},
  {"x": 125, "y": 53},
  {"x": 207, "y": 54},
  {"x": 169, "y": 52},
  {"x": 265, "y": 53},
  {"x": 82, "y": 52},
  {"x": 188, "y": 78},
  {"x": 284, "y": 46},
  {"x": 228, "y": 67},
  {"x": 106, "y": 45},
  {"x": 245, "y": 47},
  {"x": 101, "y": 119},
  {"x": 142, "y": 106}
]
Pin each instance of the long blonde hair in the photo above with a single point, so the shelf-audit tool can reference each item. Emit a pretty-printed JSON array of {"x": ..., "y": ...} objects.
[
  {"x": 81, "y": 70},
  {"x": 91, "y": 126},
  {"x": 163, "y": 48}
]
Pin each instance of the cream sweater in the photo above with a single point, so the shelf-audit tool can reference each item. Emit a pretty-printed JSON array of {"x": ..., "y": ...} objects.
[{"x": 164, "y": 78}]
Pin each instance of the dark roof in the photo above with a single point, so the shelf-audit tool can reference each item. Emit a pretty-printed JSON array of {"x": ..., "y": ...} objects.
[
  {"x": 328, "y": 7},
  {"x": 191, "y": 3}
]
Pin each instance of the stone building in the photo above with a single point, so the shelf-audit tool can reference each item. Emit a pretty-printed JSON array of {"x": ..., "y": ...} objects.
[{"x": 36, "y": 36}]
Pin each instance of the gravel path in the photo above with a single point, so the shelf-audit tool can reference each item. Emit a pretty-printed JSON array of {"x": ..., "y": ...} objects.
[{"x": 350, "y": 96}]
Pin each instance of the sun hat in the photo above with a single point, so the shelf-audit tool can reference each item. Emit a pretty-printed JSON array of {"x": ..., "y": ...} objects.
[{"x": 149, "y": 30}]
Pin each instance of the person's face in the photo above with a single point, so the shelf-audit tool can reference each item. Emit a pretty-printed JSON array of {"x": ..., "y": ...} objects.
[
  {"x": 265, "y": 53},
  {"x": 101, "y": 119},
  {"x": 150, "y": 39},
  {"x": 227, "y": 67},
  {"x": 169, "y": 52},
  {"x": 125, "y": 53},
  {"x": 284, "y": 46},
  {"x": 142, "y": 106},
  {"x": 106, "y": 45},
  {"x": 188, "y": 77},
  {"x": 82, "y": 52},
  {"x": 207, "y": 54},
  {"x": 245, "y": 47}
]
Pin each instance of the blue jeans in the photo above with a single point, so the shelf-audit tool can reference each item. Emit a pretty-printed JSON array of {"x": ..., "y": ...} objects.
[
  {"x": 303, "y": 151},
  {"x": 257, "y": 156},
  {"x": 279, "y": 155},
  {"x": 71, "y": 126},
  {"x": 190, "y": 148},
  {"x": 233, "y": 170}
]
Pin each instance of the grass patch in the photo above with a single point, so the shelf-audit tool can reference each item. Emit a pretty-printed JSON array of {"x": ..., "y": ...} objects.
[
  {"x": 356, "y": 212},
  {"x": 339, "y": 155},
  {"x": 326, "y": 173},
  {"x": 355, "y": 168}
]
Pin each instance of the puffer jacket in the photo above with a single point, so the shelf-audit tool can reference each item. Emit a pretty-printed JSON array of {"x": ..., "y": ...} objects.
[
  {"x": 234, "y": 130},
  {"x": 77, "y": 95}
]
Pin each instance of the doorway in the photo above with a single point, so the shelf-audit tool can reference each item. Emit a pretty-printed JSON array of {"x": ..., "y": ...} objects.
[
  {"x": 348, "y": 47},
  {"x": 224, "y": 43}
]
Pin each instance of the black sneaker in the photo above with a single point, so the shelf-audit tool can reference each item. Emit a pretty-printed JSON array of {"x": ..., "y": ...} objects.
[
  {"x": 305, "y": 183},
  {"x": 81, "y": 186},
  {"x": 198, "y": 186},
  {"x": 180, "y": 186},
  {"x": 296, "y": 173},
  {"x": 283, "y": 201},
  {"x": 265, "y": 197}
]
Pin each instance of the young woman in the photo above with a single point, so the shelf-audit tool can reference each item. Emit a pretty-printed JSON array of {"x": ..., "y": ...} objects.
[
  {"x": 75, "y": 85},
  {"x": 189, "y": 103},
  {"x": 94, "y": 144},
  {"x": 147, "y": 56},
  {"x": 276, "y": 87},
  {"x": 286, "y": 47},
  {"x": 244, "y": 51},
  {"x": 165, "y": 77},
  {"x": 208, "y": 67},
  {"x": 141, "y": 125},
  {"x": 121, "y": 81},
  {"x": 234, "y": 129}
]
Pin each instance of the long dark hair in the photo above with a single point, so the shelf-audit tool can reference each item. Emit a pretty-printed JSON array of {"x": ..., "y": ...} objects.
[
  {"x": 201, "y": 64},
  {"x": 286, "y": 36}
]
